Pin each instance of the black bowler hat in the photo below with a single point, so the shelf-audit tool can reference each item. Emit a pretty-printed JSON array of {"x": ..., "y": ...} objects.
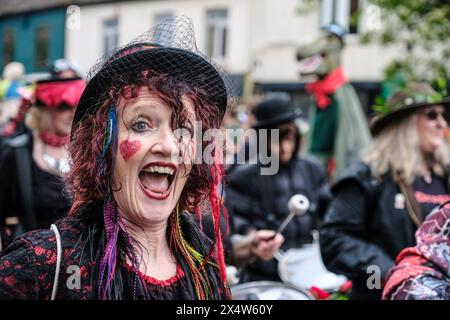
[{"x": 273, "y": 112}]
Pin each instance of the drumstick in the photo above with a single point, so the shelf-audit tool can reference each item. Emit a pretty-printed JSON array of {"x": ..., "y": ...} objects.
[{"x": 298, "y": 204}]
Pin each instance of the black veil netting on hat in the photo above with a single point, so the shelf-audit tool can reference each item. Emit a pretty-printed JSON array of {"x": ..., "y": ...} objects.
[{"x": 168, "y": 48}]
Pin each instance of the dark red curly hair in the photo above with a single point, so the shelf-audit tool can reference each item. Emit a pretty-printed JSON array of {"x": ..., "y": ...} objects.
[
  {"x": 90, "y": 180},
  {"x": 84, "y": 181}
]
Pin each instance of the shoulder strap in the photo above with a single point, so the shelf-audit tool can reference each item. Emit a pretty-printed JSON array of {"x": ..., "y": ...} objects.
[
  {"x": 54, "y": 228},
  {"x": 412, "y": 206},
  {"x": 23, "y": 160}
]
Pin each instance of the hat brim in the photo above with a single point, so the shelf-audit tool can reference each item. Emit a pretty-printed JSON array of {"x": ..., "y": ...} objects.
[
  {"x": 379, "y": 123},
  {"x": 274, "y": 122},
  {"x": 178, "y": 63}
]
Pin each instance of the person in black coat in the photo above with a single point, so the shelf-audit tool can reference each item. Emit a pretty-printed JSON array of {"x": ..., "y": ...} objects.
[
  {"x": 34, "y": 159},
  {"x": 380, "y": 202},
  {"x": 258, "y": 201}
]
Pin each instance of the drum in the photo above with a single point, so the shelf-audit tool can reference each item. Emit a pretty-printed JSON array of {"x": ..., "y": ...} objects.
[
  {"x": 268, "y": 290},
  {"x": 304, "y": 268}
]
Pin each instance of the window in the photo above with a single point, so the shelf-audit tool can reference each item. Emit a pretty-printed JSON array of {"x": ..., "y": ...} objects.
[
  {"x": 345, "y": 13},
  {"x": 42, "y": 46},
  {"x": 217, "y": 33},
  {"x": 354, "y": 16},
  {"x": 110, "y": 35},
  {"x": 8, "y": 46}
]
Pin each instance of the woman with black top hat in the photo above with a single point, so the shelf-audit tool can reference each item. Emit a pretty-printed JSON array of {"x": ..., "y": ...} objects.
[
  {"x": 380, "y": 202},
  {"x": 135, "y": 183},
  {"x": 256, "y": 201},
  {"x": 33, "y": 163}
]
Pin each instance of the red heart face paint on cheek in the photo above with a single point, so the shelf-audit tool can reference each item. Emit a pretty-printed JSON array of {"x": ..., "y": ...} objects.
[{"x": 129, "y": 148}]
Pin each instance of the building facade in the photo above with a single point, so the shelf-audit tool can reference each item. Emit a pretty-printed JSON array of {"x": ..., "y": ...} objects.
[
  {"x": 254, "y": 40},
  {"x": 35, "y": 39}
]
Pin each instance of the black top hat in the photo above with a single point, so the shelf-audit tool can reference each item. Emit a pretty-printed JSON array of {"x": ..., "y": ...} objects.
[
  {"x": 406, "y": 101},
  {"x": 273, "y": 112},
  {"x": 157, "y": 50}
]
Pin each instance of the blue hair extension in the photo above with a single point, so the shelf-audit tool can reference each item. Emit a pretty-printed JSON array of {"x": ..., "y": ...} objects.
[
  {"x": 110, "y": 214},
  {"x": 111, "y": 131},
  {"x": 110, "y": 138},
  {"x": 113, "y": 116}
]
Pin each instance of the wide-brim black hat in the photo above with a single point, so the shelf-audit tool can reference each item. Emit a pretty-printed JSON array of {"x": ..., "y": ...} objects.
[
  {"x": 157, "y": 52},
  {"x": 178, "y": 63},
  {"x": 274, "y": 112},
  {"x": 405, "y": 102}
]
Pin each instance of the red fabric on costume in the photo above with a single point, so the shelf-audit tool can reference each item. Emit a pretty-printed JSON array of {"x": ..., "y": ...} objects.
[
  {"x": 53, "y": 94},
  {"x": 422, "y": 272},
  {"x": 331, "y": 166},
  {"x": 322, "y": 88},
  {"x": 411, "y": 263},
  {"x": 53, "y": 139},
  {"x": 12, "y": 125}
]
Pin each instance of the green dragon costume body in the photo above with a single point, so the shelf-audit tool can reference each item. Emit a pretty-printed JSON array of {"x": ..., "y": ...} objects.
[{"x": 338, "y": 126}]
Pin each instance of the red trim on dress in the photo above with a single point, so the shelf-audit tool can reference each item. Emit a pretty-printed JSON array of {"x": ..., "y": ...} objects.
[{"x": 157, "y": 282}]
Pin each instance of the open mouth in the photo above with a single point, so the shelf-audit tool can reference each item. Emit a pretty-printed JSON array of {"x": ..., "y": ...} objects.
[
  {"x": 310, "y": 64},
  {"x": 156, "y": 179}
]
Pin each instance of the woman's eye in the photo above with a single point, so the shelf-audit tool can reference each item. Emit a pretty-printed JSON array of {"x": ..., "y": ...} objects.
[{"x": 140, "y": 126}]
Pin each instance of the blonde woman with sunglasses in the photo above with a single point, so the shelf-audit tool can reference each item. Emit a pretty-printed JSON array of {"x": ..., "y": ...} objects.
[{"x": 381, "y": 201}]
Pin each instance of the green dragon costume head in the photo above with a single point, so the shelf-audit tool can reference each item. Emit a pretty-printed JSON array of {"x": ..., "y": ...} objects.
[{"x": 322, "y": 56}]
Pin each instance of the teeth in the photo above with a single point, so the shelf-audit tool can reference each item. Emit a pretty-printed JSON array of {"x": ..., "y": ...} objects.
[{"x": 159, "y": 169}]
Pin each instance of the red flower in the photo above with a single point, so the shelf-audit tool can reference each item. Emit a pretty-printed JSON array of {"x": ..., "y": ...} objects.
[
  {"x": 52, "y": 259},
  {"x": 318, "y": 293},
  {"x": 39, "y": 251},
  {"x": 9, "y": 280},
  {"x": 346, "y": 287}
]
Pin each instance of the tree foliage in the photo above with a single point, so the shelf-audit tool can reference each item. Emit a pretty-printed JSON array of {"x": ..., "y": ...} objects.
[{"x": 422, "y": 29}]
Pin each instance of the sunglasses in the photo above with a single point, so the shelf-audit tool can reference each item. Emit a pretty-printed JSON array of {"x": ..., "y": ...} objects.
[{"x": 432, "y": 115}]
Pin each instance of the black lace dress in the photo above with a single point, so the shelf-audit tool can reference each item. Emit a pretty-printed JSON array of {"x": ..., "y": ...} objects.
[
  {"x": 27, "y": 268},
  {"x": 49, "y": 202}
]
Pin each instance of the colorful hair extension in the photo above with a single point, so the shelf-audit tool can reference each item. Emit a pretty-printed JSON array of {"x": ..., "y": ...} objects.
[
  {"x": 195, "y": 261},
  {"x": 111, "y": 221},
  {"x": 109, "y": 136},
  {"x": 193, "y": 258},
  {"x": 109, "y": 258},
  {"x": 131, "y": 254}
]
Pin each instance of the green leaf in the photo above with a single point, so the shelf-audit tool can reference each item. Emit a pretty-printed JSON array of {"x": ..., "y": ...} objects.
[{"x": 421, "y": 26}]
